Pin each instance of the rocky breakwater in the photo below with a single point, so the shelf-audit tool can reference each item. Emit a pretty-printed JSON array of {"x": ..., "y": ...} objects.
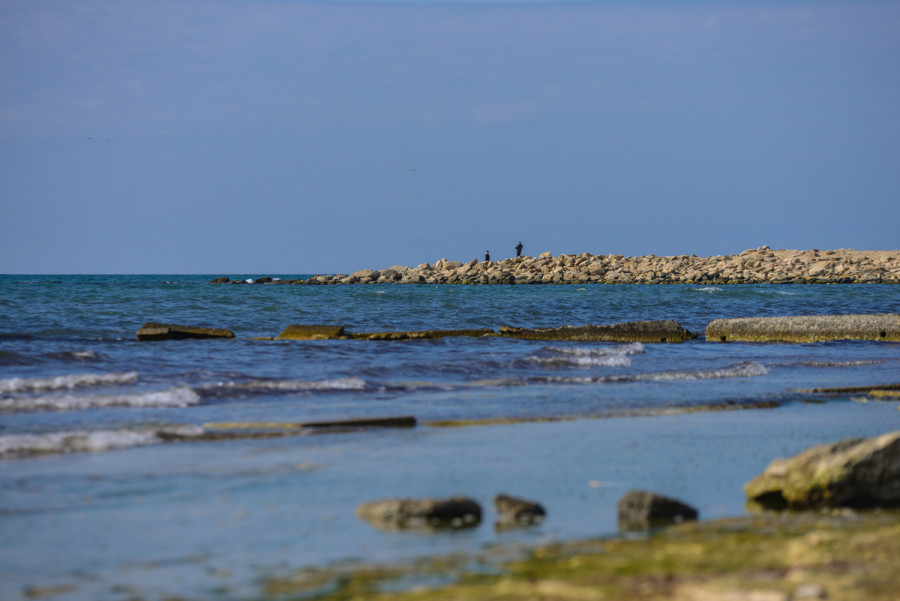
[{"x": 753, "y": 266}]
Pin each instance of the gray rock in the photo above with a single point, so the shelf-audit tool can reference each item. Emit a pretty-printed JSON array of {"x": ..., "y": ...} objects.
[
  {"x": 642, "y": 510},
  {"x": 858, "y": 473},
  {"x": 455, "y": 512},
  {"x": 513, "y": 510}
]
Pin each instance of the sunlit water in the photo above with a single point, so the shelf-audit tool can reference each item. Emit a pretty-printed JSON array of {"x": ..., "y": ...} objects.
[{"x": 112, "y": 511}]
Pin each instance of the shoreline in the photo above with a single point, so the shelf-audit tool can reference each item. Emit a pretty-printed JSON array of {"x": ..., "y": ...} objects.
[{"x": 753, "y": 266}]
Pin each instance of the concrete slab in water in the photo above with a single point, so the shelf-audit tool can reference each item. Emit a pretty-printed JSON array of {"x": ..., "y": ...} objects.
[{"x": 806, "y": 328}]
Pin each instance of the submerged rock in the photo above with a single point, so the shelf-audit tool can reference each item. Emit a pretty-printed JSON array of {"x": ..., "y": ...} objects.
[
  {"x": 633, "y": 331},
  {"x": 806, "y": 328},
  {"x": 515, "y": 511},
  {"x": 420, "y": 335},
  {"x": 455, "y": 512},
  {"x": 311, "y": 332},
  {"x": 642, "y": 510},
  {"x": 859, "y": 472},
  {"x": 168, "y": 331}
]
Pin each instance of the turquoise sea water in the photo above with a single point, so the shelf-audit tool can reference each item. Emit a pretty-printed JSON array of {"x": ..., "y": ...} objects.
[{"x": 110, "y": 511}]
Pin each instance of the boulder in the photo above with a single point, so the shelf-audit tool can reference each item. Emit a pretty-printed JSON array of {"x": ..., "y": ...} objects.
[
  {"x": 455, "y": 512},
  {"x": 858, "y": 472},
  {"x": 516, "y": 511},
  {"x": 633, "y": 331},
  {"x": 221, "y": 280},
  {"x": 169, "y": 331},
  {"x": 806, "y": 328},
  {"x": 311, "y": 332},
  {"x": 642, "y": 510},
  {"x": 365, "y": 274},
  {"x": 263, "y": 280}
]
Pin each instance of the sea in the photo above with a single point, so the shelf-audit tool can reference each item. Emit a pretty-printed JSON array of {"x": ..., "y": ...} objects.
[{"x": 98, "y": 502}]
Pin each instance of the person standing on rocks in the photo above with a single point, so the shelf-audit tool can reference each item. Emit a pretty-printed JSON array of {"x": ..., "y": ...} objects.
[
  {"x": 487, "y": 256},
  {"x": 519, "y": 249}
]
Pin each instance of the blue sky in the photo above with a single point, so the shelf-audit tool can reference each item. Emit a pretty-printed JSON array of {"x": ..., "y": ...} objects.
[{"x": 238, "y": 136}]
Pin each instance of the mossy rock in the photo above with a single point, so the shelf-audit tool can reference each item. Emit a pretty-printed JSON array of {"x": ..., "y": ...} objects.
[
  {"x": 169, "y": 331},
  {"x": 311, "y": 332},
  {"x": 859, "y": 472},
  {"x": 632, "y": 331}
]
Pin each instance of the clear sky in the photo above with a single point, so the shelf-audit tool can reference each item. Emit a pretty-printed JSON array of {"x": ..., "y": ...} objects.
[{"x": 284, "y": 136}]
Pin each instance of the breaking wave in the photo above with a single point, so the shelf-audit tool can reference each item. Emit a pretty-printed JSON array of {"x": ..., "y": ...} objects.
[
  {"x": 82, "y": 441},
  {"x": 264, "y": 386},
  {"x": 745, "y": 369},
  {"x": 17, "y": 385},
  {"x": 179, "y": 396},
  {"x": 616, "y": 356}
]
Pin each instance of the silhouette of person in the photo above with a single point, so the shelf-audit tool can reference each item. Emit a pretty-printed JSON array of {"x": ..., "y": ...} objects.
[
  {"x": 487, "y": 255},
  {"x": 519, "y": 249}
]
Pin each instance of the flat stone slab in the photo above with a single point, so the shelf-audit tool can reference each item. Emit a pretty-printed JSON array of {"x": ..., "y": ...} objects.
[
  {"x": 403, "y": 421},
  {"x": 311, "y": 332},
  {"x": 168, "y": 331},
  {"x": 859, "y": 473},
  {"x": 455, "y": 512},
  {"x": 632, "y": 331},
  {"x": 806, "y": 328}
]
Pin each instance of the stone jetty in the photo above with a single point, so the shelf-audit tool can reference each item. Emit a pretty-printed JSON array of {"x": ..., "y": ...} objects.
[{"x": 753, "y": 266}]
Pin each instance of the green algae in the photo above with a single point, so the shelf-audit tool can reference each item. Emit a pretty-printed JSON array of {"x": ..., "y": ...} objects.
[{"x": 844, "y": 555}]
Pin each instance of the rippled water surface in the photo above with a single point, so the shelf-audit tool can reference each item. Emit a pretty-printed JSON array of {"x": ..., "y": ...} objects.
[{"x": 104, "y": 504}]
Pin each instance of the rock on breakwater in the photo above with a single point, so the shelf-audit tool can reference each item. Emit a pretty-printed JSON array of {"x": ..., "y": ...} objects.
[{"x": 753, "y": 266}]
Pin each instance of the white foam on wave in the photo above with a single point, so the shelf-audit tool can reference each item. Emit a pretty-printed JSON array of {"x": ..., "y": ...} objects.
[
  {"x": 294, "y": 385},
  {"x": 82, "y": 441},
  {"x": 179, "y": 396},
  {"x": 69, "y": 381},
  {"x": 709, "y": 289},
  {"x": 614, "y": 356},
  {"x": 745, "y": 369}
]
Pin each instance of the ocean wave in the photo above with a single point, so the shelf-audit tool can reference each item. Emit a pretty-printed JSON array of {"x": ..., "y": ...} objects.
[
  {"x": 82, "y": 441},
  {"x": 838, "y": 363},
  {"x": 609, "y": 356},
  {"x": 179, "y": 396},
  {"x": 18, "y": 385},
  {"x": 263, "y": 386},
  {"x": 709, "y": 289},
  {"x": 78, "y": 356},
  {"x": 745, "y": 369}
]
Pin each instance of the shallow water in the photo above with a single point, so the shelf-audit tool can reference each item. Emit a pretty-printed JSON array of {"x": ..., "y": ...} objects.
[{"x": 115, "y": 511}]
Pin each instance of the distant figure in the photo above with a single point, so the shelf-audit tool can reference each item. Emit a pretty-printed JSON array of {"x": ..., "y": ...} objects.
[
  {"x": 487, "y": 255},
  {"x": 519, "y": 249}
]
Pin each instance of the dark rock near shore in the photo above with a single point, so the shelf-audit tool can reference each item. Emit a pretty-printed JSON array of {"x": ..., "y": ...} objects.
[
  {"x": 221, "y": 280},
  {"x": 455, "y": 512},
  {"x": 168, "y": 331},
  {"x": 859, "y": 472},
  {"x": 311, "y": 332},
  {"x": 634, "y": 331},
  {"x": 515, "y": 511},
  {"x": 642, "y": 510},
  {"x": 806, "y": 328}
]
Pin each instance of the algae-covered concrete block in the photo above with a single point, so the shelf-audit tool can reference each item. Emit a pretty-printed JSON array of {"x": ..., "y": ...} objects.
[
  {"x": 806, "y": 328},
  {"x": 632, "y": 331},
  {"x": 168, "y": 331},
  {"x": 310, "y": 332}
]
